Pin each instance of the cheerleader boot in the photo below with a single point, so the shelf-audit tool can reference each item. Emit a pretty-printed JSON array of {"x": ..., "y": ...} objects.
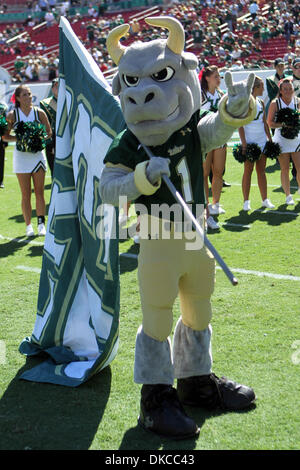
[{"x": 160, "y": 409}]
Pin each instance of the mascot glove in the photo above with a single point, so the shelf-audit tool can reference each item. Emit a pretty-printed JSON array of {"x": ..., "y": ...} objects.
[
  {"x": 147, "y": 174},
  {"x": 239, "y": 104},
  {"x": 157, "y": 167}
]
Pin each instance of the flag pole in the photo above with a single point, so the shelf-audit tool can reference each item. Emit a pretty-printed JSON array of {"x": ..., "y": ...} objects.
[{"x": 195, "y": 223}]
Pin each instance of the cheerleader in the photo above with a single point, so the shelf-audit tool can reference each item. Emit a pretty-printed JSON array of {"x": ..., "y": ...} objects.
[
  {"x": 258, "y": 132},
  {"x": 28, "y": 165},
  {"x": 290, "y": 147},
  {"x": 215, "y": 160}
]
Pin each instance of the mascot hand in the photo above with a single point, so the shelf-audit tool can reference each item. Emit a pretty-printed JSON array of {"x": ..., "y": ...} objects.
[
  {"x": 238, "y": 95},
  {"x": 157, "y": 167}
]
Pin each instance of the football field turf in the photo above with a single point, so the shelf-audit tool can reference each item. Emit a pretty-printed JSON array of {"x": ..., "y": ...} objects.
[{"x": 256, "y": 335}]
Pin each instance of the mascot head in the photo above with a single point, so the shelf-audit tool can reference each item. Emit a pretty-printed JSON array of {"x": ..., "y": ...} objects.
[{"x": 157, "y": 82}]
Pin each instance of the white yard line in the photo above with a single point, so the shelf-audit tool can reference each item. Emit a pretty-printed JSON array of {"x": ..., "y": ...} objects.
[
  {"x": 241, "y": 271},
  {"x": 269, "y": 185},
  {"x": 29, "y": 269},
  {"x": 285, "y": 277},
  {"x": 234, "y": 270},
  {"x": 22, "y": 240}
]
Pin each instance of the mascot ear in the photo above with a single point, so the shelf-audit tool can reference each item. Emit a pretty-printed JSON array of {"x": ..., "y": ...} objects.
[
  {"x": 190, "y": 60},
  {"x": 116, "y": 85}
]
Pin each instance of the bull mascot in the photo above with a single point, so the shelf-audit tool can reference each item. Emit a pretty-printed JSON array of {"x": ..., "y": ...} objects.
[{"x": 160, "y": 96}]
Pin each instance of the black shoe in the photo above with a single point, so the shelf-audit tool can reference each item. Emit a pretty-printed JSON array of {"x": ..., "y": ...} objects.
[
  {"x": 226, "y": 185},
  {"x": 163, "y": 414},
  {"x": 211, "y": 392},
  {"x": 1, "y": 185}
]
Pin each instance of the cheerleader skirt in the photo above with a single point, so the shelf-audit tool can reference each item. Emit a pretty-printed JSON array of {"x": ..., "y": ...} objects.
[
  {"x": 256, "y": 136},
  {"x": 27, "y": 162},
  {"x": 287, "y": 145}
]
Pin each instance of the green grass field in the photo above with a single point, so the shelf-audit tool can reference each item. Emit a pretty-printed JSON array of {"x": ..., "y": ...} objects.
[{"x": 256, "y": 336}]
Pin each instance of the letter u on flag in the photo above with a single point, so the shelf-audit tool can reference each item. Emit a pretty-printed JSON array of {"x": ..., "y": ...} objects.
[{"x": 77, "y": 321}]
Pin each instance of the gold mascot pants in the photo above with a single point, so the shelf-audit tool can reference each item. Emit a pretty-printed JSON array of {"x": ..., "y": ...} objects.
[{"x": 166, "y": 268}]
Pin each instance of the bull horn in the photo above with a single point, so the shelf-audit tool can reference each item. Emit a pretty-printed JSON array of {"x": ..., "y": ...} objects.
[
  {"x": 176, "y": 37},
  {"x": 115, "y": 49}
]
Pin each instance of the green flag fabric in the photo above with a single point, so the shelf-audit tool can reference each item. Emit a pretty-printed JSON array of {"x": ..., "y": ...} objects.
[{"x": 77, "y": 321}]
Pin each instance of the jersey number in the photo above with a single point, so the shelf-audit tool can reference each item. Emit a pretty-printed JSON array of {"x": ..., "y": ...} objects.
[{"x": 183, "y": 171}]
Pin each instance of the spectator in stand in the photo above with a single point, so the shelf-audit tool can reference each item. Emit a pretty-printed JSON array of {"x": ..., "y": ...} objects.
[
  {"x": 236, "y": 52},
  {"x": 253, "y": 9},
  {"x": 92, "y": 11},
  {"x": 289, "y": 54},
  {"x": 237, "y": 65},
  {"x": 134, "y": 28},
  {"x": 52, "y": 69},
  {"x": 288, "y": 28},
  {"x": 49, "y": 18},
  {"x": 297, "y": 53},
  {"x": 29, "y": 70},
  {"x": 44, "y": 70},
  {"x": 264, "y": 33},
  {"x": 289, "y": 66},
  {"x": 43, "y": 4}
]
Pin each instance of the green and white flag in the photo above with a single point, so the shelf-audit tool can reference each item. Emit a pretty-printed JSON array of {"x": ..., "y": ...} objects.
[{"x": 77, "y": 320}]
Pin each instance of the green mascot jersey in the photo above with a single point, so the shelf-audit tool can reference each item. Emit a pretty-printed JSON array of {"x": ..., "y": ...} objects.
[{"x": 183, "y": 149}]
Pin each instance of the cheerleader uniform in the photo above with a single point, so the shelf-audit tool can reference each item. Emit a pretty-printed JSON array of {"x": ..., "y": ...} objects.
[
  {"x": 210, "y": 102},
  {"x": 28, "y": 162},
  {"x": 287, "y": 145},
  {"x": 255, "y": 131}
]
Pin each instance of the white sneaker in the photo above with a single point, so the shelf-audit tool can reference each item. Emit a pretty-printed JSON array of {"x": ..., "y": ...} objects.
[
  {"x": 41, "y": 230},
  {"x": 268, "y": 204},
  {"x": 289, "y": 200},
  {"x": 136, "y": 239},
  {"x": 216, "y": 209},
  {"x": 29, "y": 231},
  {"x": 246, "y": 206},
  {"x": 211, "y": 223}
]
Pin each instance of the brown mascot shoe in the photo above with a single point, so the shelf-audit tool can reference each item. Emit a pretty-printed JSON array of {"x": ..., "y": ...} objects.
[
  {"x": 163, "y": 414},
  {"x": 211, "y": 392}
]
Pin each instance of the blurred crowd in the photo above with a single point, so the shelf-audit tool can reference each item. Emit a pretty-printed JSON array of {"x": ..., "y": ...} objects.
[{"x": 231, "y": 35}]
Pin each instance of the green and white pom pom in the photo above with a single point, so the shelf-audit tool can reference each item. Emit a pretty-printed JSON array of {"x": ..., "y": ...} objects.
[
  {"x": 31, "y": 136},
  {"x": 3, "y": 124},
  {"x": 272, "y": 150},
  {"x": 252, "y": 153},
  {"x": 291, "y": 121}
]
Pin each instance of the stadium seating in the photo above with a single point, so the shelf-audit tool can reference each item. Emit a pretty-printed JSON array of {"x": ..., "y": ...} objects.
[{"x": 50, "y": 36}]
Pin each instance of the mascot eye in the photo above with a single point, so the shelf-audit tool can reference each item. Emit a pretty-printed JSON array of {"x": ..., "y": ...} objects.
[
  {"x": 163, "y": 75},
  {"x": 131, "y": 81}
]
